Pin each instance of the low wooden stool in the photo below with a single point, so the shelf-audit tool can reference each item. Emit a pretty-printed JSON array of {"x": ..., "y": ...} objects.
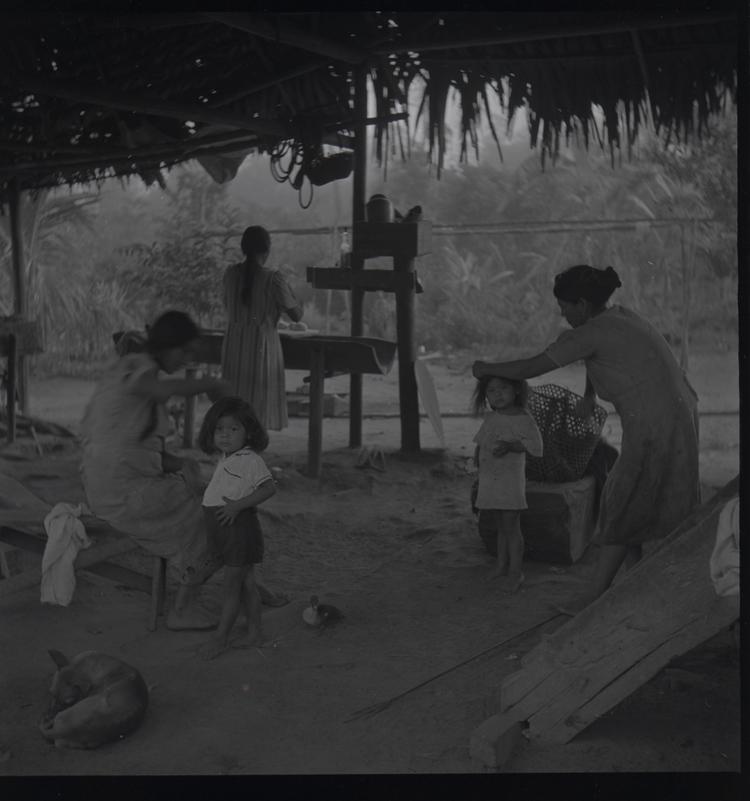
[{"x": 158, "y": 590}]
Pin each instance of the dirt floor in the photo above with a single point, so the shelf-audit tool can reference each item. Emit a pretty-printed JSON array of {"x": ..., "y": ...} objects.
[{"x": 398, "y": 553}]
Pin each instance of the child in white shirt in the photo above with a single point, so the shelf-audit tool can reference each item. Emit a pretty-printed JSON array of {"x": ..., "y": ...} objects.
[
  {"x": 240, "y": 482},
  {"x": 507, "y": 434}
]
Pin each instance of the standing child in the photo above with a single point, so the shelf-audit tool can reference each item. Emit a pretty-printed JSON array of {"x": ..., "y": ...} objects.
[
  {"x": 506, "y": 435},
  {"x": 240, "y": 482}
]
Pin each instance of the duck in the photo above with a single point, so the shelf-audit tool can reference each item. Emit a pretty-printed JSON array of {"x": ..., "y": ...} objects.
[{"x": 318, "y": 614}]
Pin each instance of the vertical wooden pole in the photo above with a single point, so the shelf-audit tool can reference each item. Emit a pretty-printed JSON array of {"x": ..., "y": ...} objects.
[
  {"x": 685, "y": 344},
  {"x": 315, "y": 422},
  {"x": 19, "y": 287},
  {"x": 407, "y": 354},
  {"x": 11, "y": 387},
  {"x": 359, "y": 188},
  {"x": 188, "y": 421}
]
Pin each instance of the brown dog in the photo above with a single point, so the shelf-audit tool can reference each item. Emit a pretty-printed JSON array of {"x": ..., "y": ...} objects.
[{"x": 95, "y": 699}]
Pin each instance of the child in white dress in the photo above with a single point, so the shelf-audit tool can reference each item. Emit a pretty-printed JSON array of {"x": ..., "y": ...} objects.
[
  {"x": 506, "y": 435},
  {"x": 240, "y": 482}
]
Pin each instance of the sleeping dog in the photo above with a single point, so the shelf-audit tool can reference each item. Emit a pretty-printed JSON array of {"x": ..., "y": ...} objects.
[{"x": 95, "y": 699}]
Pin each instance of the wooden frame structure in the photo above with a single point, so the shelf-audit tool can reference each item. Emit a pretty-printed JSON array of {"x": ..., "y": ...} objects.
[{"x": 88, "y": 96}]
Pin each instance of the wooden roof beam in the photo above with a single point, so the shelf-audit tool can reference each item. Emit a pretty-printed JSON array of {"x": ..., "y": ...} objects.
[
  {"x": 145, "y": 158},
  {"x": 544, "y": 34},
  {"x": 252, "y": 89},
  {"x": 159, "y": 107},
  {"x": 190, "y": 148},
  {"x": 285, "y": 34}
]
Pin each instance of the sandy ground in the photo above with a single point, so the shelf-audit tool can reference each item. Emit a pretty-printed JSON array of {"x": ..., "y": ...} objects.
[{"x": 398, "y": 552}]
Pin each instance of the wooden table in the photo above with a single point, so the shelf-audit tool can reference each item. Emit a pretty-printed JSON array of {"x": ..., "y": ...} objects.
[{"x": 316, "y": 353}]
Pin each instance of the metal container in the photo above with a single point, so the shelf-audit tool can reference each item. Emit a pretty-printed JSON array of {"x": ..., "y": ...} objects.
[{"x": 379, "y": 209}]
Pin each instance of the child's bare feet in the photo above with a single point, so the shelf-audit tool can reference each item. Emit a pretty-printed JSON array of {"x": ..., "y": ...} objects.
[
  {"x": 500, "y": 569},
  {"x": 515, "y": 580},
  {"x": 193, "y": 619},
  {"x": 511, "y": 583},
  {"x": 212, "y": 648}
]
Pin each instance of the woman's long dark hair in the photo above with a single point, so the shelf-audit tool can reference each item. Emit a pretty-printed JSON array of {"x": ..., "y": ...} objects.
[
  {"x": 479, "y": 401},
  {"x": 231, "y": 406},
  {"x": 173, "y": 329},
  {"x": 255, "y": 241}
]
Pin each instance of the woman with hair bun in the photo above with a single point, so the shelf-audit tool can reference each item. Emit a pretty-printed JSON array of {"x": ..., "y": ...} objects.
[
  {"x": 252, "y": 359},
  {"x": 129, "y": 477},
  {"x": 654, "y": 483}
]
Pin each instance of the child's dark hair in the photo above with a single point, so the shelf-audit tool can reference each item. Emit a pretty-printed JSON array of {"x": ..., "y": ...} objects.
[
  {"x": 479, "y": 398},
  {"x": 242, "y": 411}
]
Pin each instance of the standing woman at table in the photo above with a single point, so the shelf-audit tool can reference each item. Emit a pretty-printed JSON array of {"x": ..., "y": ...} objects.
[{"x": 252, "y": 360}]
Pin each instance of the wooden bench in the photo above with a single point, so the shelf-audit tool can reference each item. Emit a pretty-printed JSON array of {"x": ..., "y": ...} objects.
[{"x": 22, "y": 516}]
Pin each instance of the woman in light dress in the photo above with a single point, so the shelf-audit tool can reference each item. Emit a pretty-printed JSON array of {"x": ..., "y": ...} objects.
[
  {"x": 654, "y": 483},
  {"x": 252, "y": 360},
  {"x": 131, "y": 481}
]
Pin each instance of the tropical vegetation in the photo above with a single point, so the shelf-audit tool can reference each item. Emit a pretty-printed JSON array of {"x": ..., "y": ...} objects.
[{"x": 99, "y": 261}]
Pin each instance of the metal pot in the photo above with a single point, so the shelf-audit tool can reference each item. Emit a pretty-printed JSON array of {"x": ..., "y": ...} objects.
[{"x": 379, "y": 209}]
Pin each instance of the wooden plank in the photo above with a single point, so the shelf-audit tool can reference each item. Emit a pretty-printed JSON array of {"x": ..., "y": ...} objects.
[
  {"x": 722, "y": 614},
  {"x": 366, "y": 280},
  {"x": 399, "y": 240},
  {"x": 661, "y": 608}
]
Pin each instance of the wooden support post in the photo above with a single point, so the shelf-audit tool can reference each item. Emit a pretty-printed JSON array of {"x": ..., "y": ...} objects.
[
  {"x": 685, "y": 336},
  {"x": 315, "y": 423},
  {"x": 158, "y": 590},
  {"x": 11, "y": 388},
  {"x": 189, "y": 420},
  {"x": 407, "y": 354},
  {"x": 359, "y": 184},
  {"x": 19, "y": 285}
]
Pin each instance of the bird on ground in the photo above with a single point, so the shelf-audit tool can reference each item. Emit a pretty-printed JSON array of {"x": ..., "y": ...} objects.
[{"x": 318, "y": 614}]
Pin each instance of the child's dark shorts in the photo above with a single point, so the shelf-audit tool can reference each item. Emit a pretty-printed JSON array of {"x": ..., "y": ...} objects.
[{"x": 238, "y": 544}]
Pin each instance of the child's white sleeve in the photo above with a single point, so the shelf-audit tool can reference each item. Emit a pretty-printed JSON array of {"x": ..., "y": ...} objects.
[{"x": 255, "y": 472}]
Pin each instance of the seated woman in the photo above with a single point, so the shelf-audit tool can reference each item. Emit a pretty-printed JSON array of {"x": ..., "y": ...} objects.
[
  {"x": 129, "y": 478},
  {"x": 654, "y": 482}
]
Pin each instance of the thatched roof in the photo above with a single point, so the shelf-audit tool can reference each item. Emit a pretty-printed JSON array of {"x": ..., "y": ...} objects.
[{"x": 86, "y": 96}]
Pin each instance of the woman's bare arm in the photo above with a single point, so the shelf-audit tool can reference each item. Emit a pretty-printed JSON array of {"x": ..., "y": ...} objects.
[
  {"x": 295, "y": 313},
  {"x": 150, "y": 386},
  {"x": 516, "y": 370}
]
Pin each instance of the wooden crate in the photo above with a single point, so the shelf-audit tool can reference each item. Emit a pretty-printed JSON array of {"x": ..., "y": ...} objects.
[{"x": 559, "y": 523}]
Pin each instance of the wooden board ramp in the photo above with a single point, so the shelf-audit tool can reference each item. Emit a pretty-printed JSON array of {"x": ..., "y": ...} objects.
[{"x": 662, "y": 608}]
